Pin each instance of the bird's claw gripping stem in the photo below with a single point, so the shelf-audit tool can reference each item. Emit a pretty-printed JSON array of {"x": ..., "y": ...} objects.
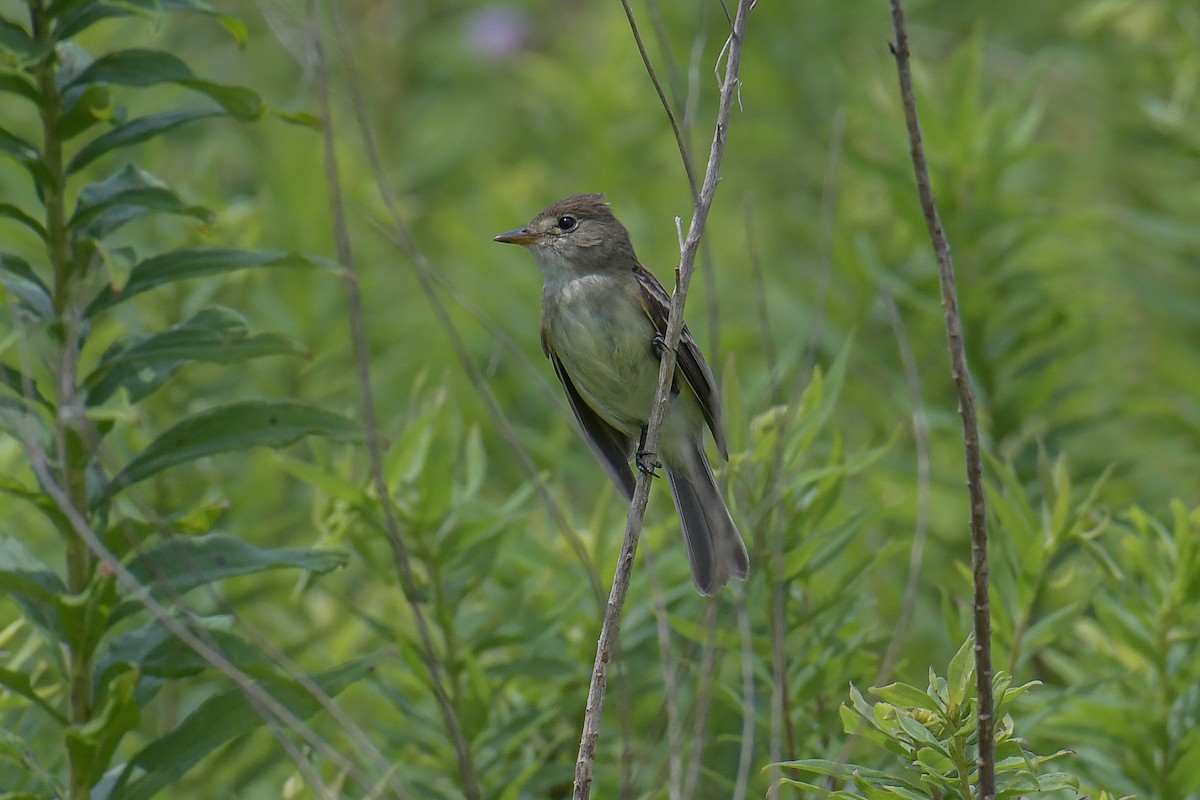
[{"x": 645, "y": 460}]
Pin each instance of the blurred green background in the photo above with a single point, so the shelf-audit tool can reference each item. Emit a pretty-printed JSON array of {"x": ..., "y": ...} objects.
[{"x": 1064, "y": 144}]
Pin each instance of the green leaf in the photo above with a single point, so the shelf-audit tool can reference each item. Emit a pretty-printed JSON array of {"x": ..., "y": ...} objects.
[
  {"x": 17, "y": 214},
  {"x": 91, "y": 745},
  {"x": 81, "y": 15},
  {"x": 19, "y": 278},
  {"x": 83, "y": 107},
  {"x": 237, "y": 426},
  {"x": 27, "y": 155},
  {"x": 139, "y": 67},
  {"x": 919, "y": 733},
  {"x": 16, "y": 40},
  {"x": 187, "y": 263},
  {"x": 301, "y": 118},
  {"x": 31, "y": 584},
  {"x": 961, "y": 672},
  {"x": 134, "y": 131},
  {"x": 905, "y": 696},
  {"x": 179, "y": 565},
  {"x": 213, "y": 335},
  {"x": 22, "y": 386},
  {"x": 131, "y": 193},
  {"x": 18, "y": 683},
  {"x": 21, "y": 269},
  {"x": 126, "y": 534},
  {"x": 221, "y": 719},
  {"x": 18, "y": 85},
  {"x": 153, "y": 650},
  {"x": 834, "y": 769},
  {"x": 856, "y": 724}
]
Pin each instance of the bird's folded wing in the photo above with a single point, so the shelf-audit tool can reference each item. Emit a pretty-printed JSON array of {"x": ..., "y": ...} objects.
[
  {"x": 612, "y": 448},
  {"x": 689, "y": 360}
]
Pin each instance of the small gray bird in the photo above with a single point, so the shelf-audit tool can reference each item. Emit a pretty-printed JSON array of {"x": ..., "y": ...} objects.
[{"x": 604, "y": 317}]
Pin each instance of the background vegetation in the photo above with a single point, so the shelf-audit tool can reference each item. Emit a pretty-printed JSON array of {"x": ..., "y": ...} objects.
[{"x": 1064, "y": 150}]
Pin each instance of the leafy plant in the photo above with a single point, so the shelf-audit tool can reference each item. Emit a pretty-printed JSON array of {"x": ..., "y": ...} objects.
[
  {"x": 933, "y": 735},
  {"x": 1130, "y": 673},
  {"x": 83, "y": 662}
]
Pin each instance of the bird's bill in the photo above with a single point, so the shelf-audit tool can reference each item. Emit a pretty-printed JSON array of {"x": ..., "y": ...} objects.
[{"x": 519, "y": 236}]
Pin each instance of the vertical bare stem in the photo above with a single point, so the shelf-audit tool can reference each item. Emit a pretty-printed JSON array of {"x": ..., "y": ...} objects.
[
  {"x": 616, "y": 601},
  {"x": 966, "y": 403}
]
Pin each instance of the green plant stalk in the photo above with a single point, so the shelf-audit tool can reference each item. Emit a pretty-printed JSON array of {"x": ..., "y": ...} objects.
[{"x": 73, "y": 468}]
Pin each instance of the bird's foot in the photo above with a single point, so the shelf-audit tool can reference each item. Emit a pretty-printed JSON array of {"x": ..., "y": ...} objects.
[
  {"x": 647, "y": 463},
  {"x": 644, "y": 459},
  {"x": 659, "y": 344}
]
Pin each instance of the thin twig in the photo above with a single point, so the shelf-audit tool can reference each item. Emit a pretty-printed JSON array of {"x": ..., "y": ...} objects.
[
  {"x": 362, "y": 357},
  {"x": 680, "y": 142},
  {"x": 920, "y": 427},
  {"x": 687, "y": 261},
  {"x": 682, "y": 134},
  {"x": 398, "y": 233},
  {"x": 966, "y": 406}
]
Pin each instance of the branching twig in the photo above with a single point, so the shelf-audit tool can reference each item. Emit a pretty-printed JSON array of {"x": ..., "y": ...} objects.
[
  {"x": 637, "y": 510},
  {"x": 966, "y": 402},
  {"x": 358, "y": 334}
]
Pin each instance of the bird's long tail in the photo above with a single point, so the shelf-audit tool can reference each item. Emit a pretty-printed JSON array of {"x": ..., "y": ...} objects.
[{"x": 714, "y": 546}]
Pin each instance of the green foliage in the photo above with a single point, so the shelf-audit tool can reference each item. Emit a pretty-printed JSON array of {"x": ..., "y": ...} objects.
[
  {"x": 1062, "y": 141},
  {"x": 933, "y": 734},
  {"x": 88, "y": 660}
]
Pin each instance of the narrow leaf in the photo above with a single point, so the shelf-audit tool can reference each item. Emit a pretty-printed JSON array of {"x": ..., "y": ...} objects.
[
  {"x": 25, "y": 154},
  {"x": 106, "y": 205},
  {"x": 18, "y": 85},
  {"x": 156, "y": 652},
  {"x": 237, "y": 426},
  {"x": 181, "y": 564},
  {"x": 83, "y": 107},
  {"x": 186, "y": 263},
  {"x": 144, "y": 364},
  {"x": 17, "y": 214},
  {"x": 18, "y": 683},
  {"x": 15, "y": 39},
  {"x": 217, "y": 335},
  {"x": 92, "y": 744},
  {"x": 140, "y": 67},
  {"x": 134, "y": 131},
  {"x": 904, "y": 695},
  {"x": 22, "y": 386},
  {"x": 221, "y": 719}
]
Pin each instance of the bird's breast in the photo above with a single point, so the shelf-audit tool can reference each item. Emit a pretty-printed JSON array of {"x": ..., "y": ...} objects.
[{"x": 604, "y": 339}]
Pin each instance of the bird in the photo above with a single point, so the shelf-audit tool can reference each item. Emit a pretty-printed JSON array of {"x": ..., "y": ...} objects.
[{"x": 603, "y": 327}]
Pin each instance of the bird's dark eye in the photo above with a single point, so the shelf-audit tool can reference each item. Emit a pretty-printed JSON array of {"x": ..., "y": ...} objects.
[{"x": 567, "y": 222}]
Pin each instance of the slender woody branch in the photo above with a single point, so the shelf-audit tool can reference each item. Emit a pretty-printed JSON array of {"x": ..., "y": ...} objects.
[
  {"x": 637, "y": 510},
  {"x": 966, "y": 404},
  {"x": 358, "y": 337}
]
